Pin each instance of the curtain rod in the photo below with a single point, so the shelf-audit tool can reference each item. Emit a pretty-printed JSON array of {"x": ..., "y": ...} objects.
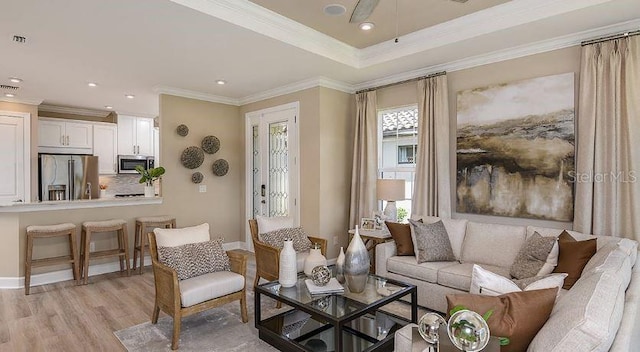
[
  {"x": 610, "y": 37},
  {"x": 402, "y": 82}
]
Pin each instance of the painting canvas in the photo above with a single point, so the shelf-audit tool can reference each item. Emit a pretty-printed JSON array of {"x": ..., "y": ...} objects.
[{"x": 515, "y": 149}]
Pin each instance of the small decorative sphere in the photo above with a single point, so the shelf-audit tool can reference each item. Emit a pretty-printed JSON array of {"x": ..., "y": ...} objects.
[
  {"x": 182, "y": 130},
  {"x": 197, "y": 177},
  {"x": 220, "y": 167},
  {"x": 320, "y": 275}
]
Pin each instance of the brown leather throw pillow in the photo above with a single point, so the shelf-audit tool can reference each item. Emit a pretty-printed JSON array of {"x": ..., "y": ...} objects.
[
  {"x": 401, "y": 233},
  {"x": 573, "y": 256},
  {"x": 517, "y": 315}
]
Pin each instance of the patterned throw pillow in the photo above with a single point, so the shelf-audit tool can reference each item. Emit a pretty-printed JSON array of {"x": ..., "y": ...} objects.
[
  {"x": 532, "y": 256},
  {"x": 301, "y": 242},
  {"x": 195, "y": 259},
  {"x": 432, "y": 241}
]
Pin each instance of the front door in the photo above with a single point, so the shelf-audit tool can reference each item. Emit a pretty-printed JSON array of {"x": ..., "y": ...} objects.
[{"x": 272, "y": 165}]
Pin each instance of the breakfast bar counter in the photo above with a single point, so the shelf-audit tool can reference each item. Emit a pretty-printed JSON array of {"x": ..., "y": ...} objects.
[{"x": 77, "y": 204}]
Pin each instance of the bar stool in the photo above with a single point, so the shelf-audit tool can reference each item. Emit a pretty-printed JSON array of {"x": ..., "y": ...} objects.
[
  {"x": 122, "y": 252},
  {"x": 34, "y": 232},
  {"x": 143, "y": 226}
]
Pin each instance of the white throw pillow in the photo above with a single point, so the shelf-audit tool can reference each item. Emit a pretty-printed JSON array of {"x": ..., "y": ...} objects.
[
  {"x": 266, "y": 224},
  {"x": 179, "y": 237},
  {"x": 552, "y": 261},
  {"x": 485, "y": 282}
]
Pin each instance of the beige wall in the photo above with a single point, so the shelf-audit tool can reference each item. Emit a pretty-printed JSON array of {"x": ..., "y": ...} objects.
[
  {"x": 325, "y": 130},
  {"x": 550, "y": 63}
]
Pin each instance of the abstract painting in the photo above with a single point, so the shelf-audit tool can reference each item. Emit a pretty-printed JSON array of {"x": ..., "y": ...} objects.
[{"x": 515, "y": 149}]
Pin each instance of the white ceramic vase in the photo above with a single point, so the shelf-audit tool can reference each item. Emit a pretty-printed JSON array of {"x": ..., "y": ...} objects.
[
  {"x": 314, "y": 259},
  {"x": 356, "y": 264},
  {"x": 288, "y": 273},
  {"x": 149, "y": 191},
  {"x": 340, "y": 266}
]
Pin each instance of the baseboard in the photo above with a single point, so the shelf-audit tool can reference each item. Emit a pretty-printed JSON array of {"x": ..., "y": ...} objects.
[{"x": 97, "y": 269}]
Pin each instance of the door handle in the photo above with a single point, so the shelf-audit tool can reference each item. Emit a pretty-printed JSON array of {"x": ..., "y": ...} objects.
[
  {"x": 62, "y": 140},
  {"x": 263, "y": 191},
  {"x": 134, "y": 149},
  {"x": 67, "y": 140}
]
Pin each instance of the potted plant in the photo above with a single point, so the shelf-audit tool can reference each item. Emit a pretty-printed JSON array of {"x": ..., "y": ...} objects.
[{"x": 148, "y": 176}]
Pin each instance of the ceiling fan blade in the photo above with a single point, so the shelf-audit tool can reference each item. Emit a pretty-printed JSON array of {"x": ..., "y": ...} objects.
[{"x": 363, "y": 10}]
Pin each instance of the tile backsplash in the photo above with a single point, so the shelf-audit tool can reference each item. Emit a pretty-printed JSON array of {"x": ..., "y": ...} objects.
[{"x": 122, "y": 184}]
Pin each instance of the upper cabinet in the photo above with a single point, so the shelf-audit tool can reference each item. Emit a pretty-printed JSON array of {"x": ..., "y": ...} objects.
[
  {"x": 105, "y": 147},
  {"x": 65, "y": 136},
  {"x": 135, "y": 135}
]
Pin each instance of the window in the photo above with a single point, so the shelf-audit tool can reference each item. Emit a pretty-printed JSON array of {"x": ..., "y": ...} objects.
[{"x": 397, "y": 149}]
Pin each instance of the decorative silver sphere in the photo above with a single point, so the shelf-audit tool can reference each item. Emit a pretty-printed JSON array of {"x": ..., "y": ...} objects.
[
  {"x": 468, "y": 331},
  {"x": 320, "y": 275}
]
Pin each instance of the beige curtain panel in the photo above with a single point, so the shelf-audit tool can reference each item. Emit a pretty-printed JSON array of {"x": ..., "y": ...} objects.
[
  {"x": 608, "y": 156},
  {"x": 432, "y": 189},
  {"x": 365, "y": 159}
]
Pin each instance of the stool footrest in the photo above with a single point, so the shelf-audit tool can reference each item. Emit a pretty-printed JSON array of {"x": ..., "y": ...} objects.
[
  {"x": 107, "y": 253},
  {"x": 65, "y": 259}
]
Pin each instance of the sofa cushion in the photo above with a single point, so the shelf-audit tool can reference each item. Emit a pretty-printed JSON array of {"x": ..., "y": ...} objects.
[
  {"x": 276, "y": 238},
  {"x": 492, "y": 244},
  {"x": 408, "y": 266},
  {"x": 485, "y": 282},
  {"x": 587, "y": 317},
  {"x": 517, "y": 315},
  {"x": 573, "y": 257},
  {"x": 195, "y": 259},
  {"x": 205, "y": 287},
  {"x": 532, "y": 256},
  {"x": 432, "y": 242},
  {"x": 181, "y": 236},
  {"x": 401, "y": 234},
  {"x": 456, "y": 229},
  {"x": 268, "y": 224},
  {"x": 459, "y": 275}
]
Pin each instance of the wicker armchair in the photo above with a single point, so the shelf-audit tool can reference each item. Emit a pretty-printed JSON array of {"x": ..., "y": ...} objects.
[
  {"x": 168, "y": 294},
  {"x": 268, "y": 257}
]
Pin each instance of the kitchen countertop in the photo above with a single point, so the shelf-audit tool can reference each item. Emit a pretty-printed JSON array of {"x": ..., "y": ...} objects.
[{"x": 77, "y": 204}]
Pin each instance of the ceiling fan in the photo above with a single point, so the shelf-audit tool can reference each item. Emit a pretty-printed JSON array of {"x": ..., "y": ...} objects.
[{"x": 364, "y": 9}]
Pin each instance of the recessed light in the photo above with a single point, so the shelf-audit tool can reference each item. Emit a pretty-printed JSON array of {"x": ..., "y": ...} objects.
[
  {"x": 334, "y": 10},
  {"x": 92, "y": 84},
  {"x": 15, "y": 79},
  {"x": 221, "y": 82},
  {"x": 108, "y": 107},
  {"x": 129, "y": 96},
  {"x": 367, "y": 26},
  {"x": 9, "y": 95}
]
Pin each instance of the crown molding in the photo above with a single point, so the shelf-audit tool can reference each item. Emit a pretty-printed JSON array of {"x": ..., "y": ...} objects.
[
  {"x": 256, "y": 18},
  {"x": 493, "y": 19},
  {"x": 74, "y": 110},
  {"x": 298, "y": 86},
  {"x": 185, "y": 93},
  {"x": 506, "y": 54},
  {"x": 22, "y": 101}
]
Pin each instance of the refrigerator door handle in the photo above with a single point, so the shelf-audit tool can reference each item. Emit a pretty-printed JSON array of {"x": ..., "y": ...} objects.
[{"x": 72, "y": 183}]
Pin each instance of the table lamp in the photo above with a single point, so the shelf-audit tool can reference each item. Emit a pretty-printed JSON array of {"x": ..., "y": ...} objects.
[{"x": 391, "y": 191}]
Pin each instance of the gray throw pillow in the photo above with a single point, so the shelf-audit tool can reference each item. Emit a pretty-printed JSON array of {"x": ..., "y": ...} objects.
[
  {"x": 301, "y": 242},
  {"x": 195, "y": 259},
  {"x": 432, "y": 241},
  {"x": 532, "y": 256}
]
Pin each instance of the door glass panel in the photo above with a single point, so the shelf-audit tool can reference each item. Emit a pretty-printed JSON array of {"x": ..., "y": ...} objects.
[
  {"x": 278, "y": 170},
  {"x": 257, "y": 182}
]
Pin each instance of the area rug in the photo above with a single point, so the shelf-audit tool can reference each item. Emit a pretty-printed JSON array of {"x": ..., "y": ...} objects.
[{"x": 218, "y": 329}]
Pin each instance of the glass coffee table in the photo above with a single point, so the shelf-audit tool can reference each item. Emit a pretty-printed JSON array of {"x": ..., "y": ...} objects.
[{"x": 337, "y": 322}]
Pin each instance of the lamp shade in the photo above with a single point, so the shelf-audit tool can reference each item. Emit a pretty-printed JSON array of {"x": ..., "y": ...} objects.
[{"x": 390, "y": 190}]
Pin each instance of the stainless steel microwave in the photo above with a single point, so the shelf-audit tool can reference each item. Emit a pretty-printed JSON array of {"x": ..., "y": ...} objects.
[{"x": 127, "y": 163}]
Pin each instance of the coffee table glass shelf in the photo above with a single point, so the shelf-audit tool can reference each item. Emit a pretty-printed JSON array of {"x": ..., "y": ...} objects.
[{"x": 338, "y": 322}]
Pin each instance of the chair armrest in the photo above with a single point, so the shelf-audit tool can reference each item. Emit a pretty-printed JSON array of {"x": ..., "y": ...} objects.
[
  {"x": 167, "y": 287},
  {"x": 238, "y": 262},
  {"x": 322, "y": 242},
  {"x": 267, "y": 260},
  {"x": 384, "y": 251}
]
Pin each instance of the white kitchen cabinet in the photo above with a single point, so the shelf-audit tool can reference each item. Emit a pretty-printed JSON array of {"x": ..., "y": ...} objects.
[
  {"x": 65, "y": 136},
  {"x": 135, "y": 135},
  {"x": 156, "y": 146},
  {"x": 105, "y": 147}
]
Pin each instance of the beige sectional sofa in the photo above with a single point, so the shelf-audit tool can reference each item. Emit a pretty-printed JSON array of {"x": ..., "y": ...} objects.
[{"x": 600, "y": 312}]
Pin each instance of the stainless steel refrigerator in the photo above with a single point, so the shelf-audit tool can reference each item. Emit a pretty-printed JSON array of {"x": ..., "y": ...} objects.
[{"x": 68, "y": 177}]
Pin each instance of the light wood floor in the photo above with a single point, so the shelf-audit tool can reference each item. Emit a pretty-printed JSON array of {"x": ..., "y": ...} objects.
[{"x": 65, "y": 317}]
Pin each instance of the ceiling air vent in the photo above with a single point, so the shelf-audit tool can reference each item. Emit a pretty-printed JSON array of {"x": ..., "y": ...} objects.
[
  {"x": 19, "y": 39},
  {"x": 4, "y": 86}
]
